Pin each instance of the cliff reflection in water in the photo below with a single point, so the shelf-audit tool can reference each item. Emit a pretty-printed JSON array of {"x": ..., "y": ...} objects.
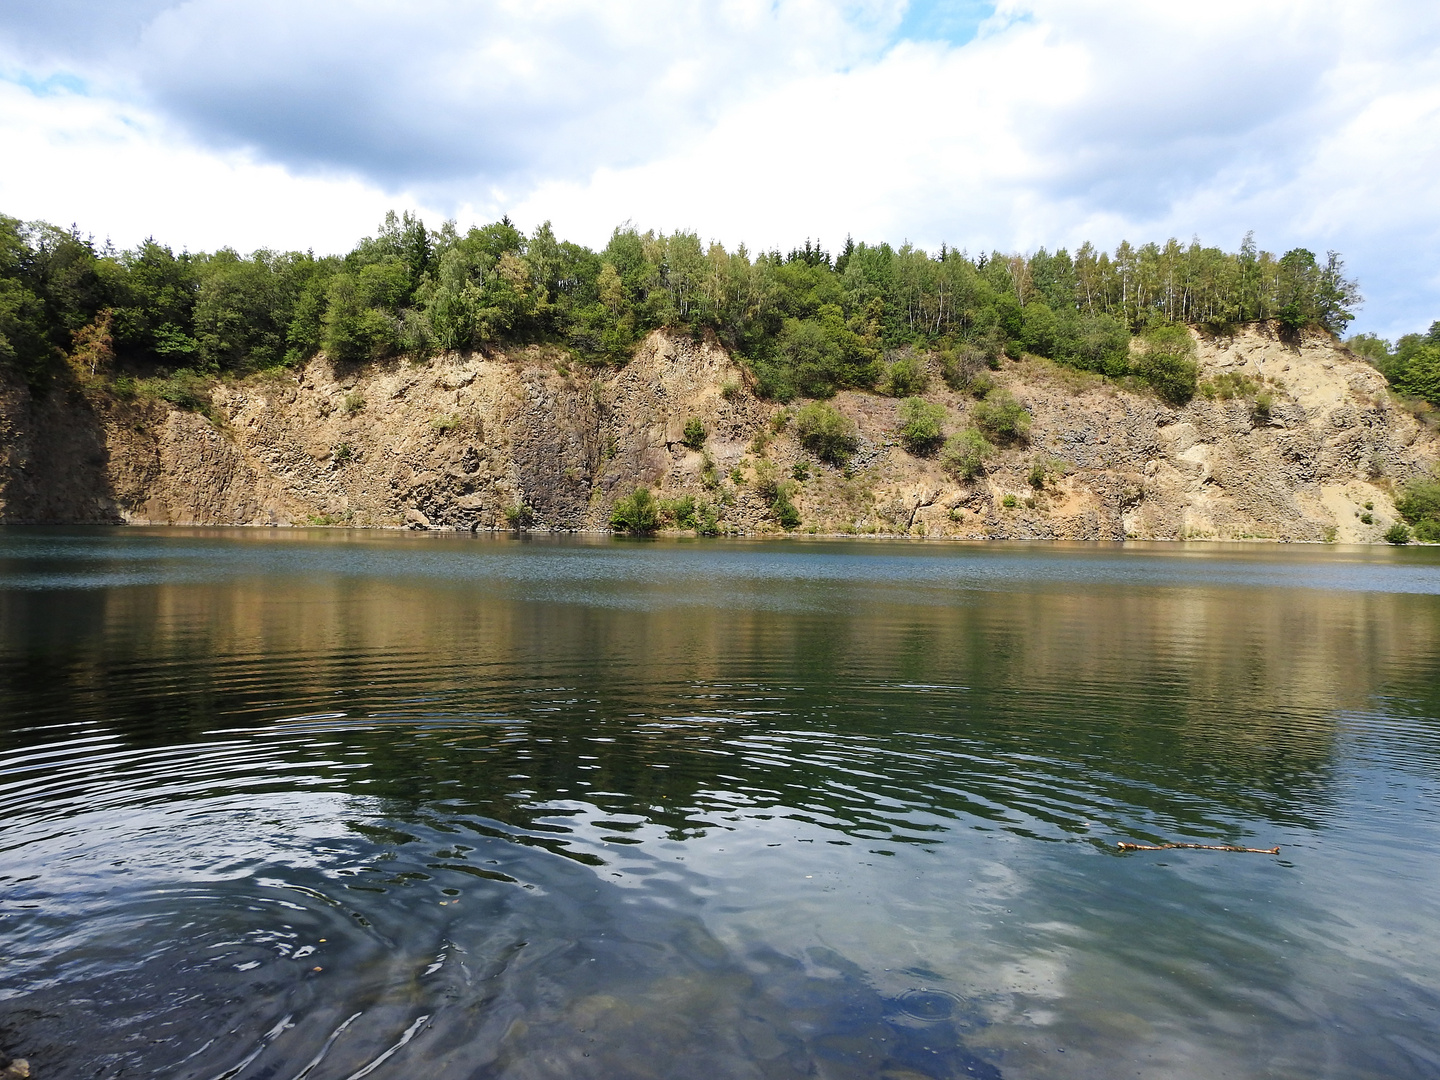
[{"x": 1184, "y": 700}]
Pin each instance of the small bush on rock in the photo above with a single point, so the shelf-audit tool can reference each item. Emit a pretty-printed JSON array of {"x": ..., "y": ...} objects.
[
  {"x": 1419, "y": 505},
  {"x": 1002, "y": 418},
  {"x": 782, "y": 506},
  {"x": 637, "y": 513},
  {"x": 707, "y": 522},
  {"x": 694, "y": 433},
  {"x": 1168, "y": 364},
  {"x": 1398, "y": 534},
  {"x": 826, "y": 433},
  {"x": 680, "y": 511},
  {"x": 965, "y": 453},
  {"x": 920, "y": 425},
  {"x": 906, "y": 377}
]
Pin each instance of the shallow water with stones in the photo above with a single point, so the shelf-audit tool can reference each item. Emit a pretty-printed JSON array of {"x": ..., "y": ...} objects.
[{"x": 283, "y": 804}]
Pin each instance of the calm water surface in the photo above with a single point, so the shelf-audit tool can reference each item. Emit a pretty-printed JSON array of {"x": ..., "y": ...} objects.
[{"x": 277, "y": 806}]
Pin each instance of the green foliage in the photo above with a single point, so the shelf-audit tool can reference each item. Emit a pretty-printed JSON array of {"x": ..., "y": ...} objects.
[
  {"x": 707, "y": 522},
  {"x": 906, "y": 377},
  {"x": 819, "y": 355},
  {"x": 1009, "y": 502},
  {"x": 1043, "y": 470},
  {"x": 1168, "y": 364},
  {"x": 921, "y": 425},
  {"x": 637, "y": 513},
  {"x": 354, "y": 403},
  {"x": 805, "y": 324},
  {"x": 767, "y": 480},
  {"x": 1001, "y": 417},
  {"x": 1398, "y": 534},
  {"x": 1420, "y": 374},
  {"x": 784, "y": 508},
  {"x": 353, "y": 329},
  {"x": 709, "y": 474},
  {"x": 1092, "y": 342},
  {"x": 519, "y": 516},
  {"x": 965, "y": 453},
  {"x": 694, "y": 433},
  {"x": 826, "y": 433},
  {"x": 959, "y": 367},
  {"x": 680, "y": 512},
  {"x": 342, "y": 454},
  {"x": 1411, "y": 365},
  {"x": 185, "y": 389},
  {"x": 1370, "y": 346},
  {"x": 1227, "y": 385},
  {"x": 1264, "y": 402},
  {"x": 244, "y": 307},
  {"x": 1419, "y": 504}
]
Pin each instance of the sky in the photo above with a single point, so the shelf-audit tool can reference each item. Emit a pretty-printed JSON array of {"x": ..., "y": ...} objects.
[{"x": 295, "y": 124}]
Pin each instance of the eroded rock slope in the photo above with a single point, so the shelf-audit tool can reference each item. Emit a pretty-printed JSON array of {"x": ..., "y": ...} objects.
[{"x": 484, "y": 441}]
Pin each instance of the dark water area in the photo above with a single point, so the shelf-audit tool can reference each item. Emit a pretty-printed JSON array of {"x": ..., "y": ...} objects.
[{"x": 312, "y": 804}]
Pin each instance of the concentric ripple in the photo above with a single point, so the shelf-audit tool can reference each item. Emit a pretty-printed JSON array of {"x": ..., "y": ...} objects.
[{"x": 290, "y": 807}]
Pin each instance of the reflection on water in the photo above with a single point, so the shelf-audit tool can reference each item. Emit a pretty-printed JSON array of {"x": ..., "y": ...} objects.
[{"x": 311, "y": 805}]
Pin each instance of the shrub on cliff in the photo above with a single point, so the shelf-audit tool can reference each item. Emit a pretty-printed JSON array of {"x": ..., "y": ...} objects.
[
  {"x": 637, "y": 513},
  {"x": 826, "y": 432},
  {"x": 694, "y": 433},
  {"x": 185, "y": 389},
  {"x": 965, "y": 453},
  {"x": 1168, "y": 364},
  {"x": 906, "y": 377},
  {"x": 1420, "y": 506},
  {"x": 921, "y": 425},
  {"x": 1001, "y": 417},
  {"x": 707, "y": 520},
  {"x": 680, "y": 512},
  {"x": 784, "y": 508}
]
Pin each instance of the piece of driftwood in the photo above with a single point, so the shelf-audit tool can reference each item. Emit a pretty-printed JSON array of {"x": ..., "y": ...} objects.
[{"x": 1202, "y": 847}]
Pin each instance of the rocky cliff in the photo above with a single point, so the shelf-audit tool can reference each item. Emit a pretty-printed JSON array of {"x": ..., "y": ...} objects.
[{"x": 485, "y": 441}]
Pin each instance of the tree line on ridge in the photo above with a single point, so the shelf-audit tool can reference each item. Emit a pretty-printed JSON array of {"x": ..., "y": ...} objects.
[{"x": 805, "y": 324}]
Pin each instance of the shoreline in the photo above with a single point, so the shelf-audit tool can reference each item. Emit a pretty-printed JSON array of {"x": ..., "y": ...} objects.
[{"x": 686, "y": 534}]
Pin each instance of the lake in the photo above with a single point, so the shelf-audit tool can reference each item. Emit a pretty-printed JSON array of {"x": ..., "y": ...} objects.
[{"x": 289, "y": 804}]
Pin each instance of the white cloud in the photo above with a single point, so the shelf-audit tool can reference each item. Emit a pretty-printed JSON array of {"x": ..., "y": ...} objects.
[
  {"x": 425, "y": 92},
  {"x": 120, "y": 172},
  {"x": 1314, "y": 123},
  {"x": 1072, "y": 121}
]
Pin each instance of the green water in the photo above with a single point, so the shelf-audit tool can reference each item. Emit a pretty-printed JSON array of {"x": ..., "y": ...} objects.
[{"x": 280, "y": 805}]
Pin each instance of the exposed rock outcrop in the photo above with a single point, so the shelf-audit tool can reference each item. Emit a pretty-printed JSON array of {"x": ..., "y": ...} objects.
[{"x": 486, "y": 441}]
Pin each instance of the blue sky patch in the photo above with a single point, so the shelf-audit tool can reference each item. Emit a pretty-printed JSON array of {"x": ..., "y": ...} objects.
[
  {"x": 51, "y": 85},
  {"x": 953, "y": 21}
]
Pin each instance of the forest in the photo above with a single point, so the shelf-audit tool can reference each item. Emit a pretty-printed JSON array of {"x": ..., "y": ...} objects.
[{"x": 805, "y": 323}]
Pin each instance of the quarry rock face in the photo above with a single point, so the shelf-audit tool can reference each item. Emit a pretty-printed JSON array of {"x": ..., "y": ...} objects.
[{"x": 529, "y": 438}]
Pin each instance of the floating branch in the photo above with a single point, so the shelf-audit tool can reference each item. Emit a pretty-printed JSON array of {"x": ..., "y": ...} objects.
[{"x": 1201, "y": 847}]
